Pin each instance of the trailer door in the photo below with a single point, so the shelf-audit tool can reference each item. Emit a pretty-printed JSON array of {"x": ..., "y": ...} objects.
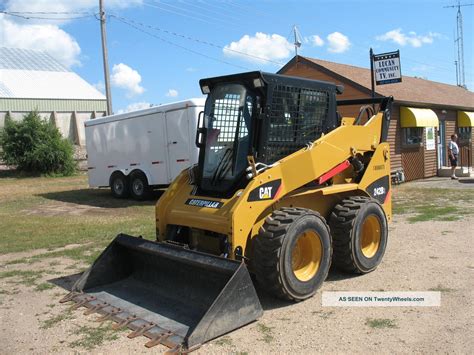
[{"x": 177, "y": 128}]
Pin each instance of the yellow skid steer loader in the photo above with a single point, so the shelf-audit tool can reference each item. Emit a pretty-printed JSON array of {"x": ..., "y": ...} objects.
[{"x": 284, "y": 186}]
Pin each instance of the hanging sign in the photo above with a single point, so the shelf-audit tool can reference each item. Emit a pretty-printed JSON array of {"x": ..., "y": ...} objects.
[{"x": 387, "y": 68}]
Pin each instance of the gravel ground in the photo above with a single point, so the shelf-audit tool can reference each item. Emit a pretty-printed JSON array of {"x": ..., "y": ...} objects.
[{"x": 421, "y": 256}]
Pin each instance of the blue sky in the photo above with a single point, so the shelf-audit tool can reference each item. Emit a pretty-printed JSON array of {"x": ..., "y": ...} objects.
[{"x": 147, "y": 70}]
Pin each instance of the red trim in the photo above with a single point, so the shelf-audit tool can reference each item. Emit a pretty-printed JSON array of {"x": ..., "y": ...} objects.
[
  {"x": 111, "y": 166},
  {"x": 182, "y": 160},
  {"x": 134, "y": 164},
  {"x": 333, "y": 172},
  {"x": 156, "y": 162},
  {"x": 278, "y": 191},
  {"x": 387, "y": 197}
]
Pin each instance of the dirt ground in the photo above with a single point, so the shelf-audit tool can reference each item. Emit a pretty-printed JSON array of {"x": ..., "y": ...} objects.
[{"x": 421, "y": 255}]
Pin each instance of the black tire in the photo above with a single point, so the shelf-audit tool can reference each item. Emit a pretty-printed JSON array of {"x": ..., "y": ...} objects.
[
  {"x": 119, "y": 185},
  {"x": 274, "y": 247},
  {"x": 354, "y": 251},
  {"x": 139, "y": 188}
]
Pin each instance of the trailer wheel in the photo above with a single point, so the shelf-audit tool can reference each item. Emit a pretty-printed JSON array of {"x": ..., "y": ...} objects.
[
  {"x": 119, "y": 185},
  {"x": 292, "y": 253},
  {"x": 360, "y": 233},
  {"x": 139, "y": 188}
]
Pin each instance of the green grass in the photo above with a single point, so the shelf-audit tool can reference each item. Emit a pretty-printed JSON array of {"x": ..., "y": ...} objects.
[
  {"x": 441, "y": 288},
  {"x": 266, "y": 332},
  {"x": 27, "y": 223},
  {"x": 44, "y": 286},
  {"x": 380, "y": 323},
  {"x": 91, "y": 337},
  {"x": 225, "y": 340},
  {"x": 55, "y": 320},
  {"x": 424, "y": 204},
  {"x": 24, "y": 277},
  {"x": 86, "y": 253}
]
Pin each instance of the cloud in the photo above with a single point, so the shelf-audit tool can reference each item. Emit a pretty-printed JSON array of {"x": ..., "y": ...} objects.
[
  {"x": 100, "y": 86},
  {"x": 411, "y": 38},
  {"x": 262, "y": 45},
  {"x": 191, "y": 69},
  {"x": 127, "y": 78},
  {"x": 337, "y": 42},
  {"x": 135, "y": 107},
  {"x": 315, "y": 40},
  {"x": 50, "y": 38},
  {"x": 47, "y": 35},
  {"x": 172, "y": 93}
]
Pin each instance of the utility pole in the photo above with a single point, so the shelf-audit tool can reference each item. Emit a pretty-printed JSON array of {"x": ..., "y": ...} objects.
[
  {"x": 105, "y": 57},
  {"x": 460, "y": 43}
]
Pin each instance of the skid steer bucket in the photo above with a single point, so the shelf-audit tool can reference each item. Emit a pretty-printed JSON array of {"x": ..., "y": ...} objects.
[{"x": 174, "y": 296}]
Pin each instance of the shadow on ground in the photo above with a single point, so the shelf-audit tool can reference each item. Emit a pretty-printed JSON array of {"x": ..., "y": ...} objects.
[
  {"x": 466, "y": 181},
  {"x": 66, "y": 282},
  {"x": 12, "y": 173},
  {"x": 99, "y": 198}
]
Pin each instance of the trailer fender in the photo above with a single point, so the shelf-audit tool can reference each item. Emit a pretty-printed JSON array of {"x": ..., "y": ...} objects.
[{"x": 144, "y": 171}]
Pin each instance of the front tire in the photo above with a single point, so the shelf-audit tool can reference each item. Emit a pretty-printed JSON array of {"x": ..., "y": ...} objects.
[
  {"x": 360, "y": 233},
  {"x": 292, "y": 253}
]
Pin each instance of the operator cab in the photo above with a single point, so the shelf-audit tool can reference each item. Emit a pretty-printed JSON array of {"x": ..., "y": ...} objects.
[{"x": 266, "y": 116}]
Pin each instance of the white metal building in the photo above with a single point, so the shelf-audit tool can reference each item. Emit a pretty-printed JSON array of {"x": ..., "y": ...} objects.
[{"x": 33, "y": 80}]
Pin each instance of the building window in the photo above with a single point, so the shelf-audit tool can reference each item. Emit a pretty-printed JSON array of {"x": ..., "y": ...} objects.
[
  {"x": 464, "y": 134},
  {"x": 412, "y": 136}
]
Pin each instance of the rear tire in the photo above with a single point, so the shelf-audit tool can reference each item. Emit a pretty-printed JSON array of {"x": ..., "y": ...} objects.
[
  {"x": 292, "y": 253},
  {"x": 139, "y": 188},
  {"x": 119, "y": 185},
  {"x": 360, "y": 233}
]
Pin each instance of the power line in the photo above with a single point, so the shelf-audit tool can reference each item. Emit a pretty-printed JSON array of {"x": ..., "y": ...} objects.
[
  {"x": 178, "y": 45},
  {"x": 212, "y": 18},
  {"x": 13, "y": 14},
  {"x": 177, "y": 13},
  {"x": 195, "y": 39},
  {"x": 49, "y": 13},
  {"x": 193, "y": 4}
]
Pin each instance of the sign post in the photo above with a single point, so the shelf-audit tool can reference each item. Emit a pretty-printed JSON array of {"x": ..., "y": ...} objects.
[{"x": 371, "y": 53}]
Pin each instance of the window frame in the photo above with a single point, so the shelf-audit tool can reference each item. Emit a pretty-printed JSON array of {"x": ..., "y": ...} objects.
[
  {"x": 462, "y": 140},
  {"x": 412, "y": 145}
]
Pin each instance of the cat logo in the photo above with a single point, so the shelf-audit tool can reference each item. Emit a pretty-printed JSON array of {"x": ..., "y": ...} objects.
[
  {"x": 265, "y": 192},
  {"x": 268, "y": 191}
]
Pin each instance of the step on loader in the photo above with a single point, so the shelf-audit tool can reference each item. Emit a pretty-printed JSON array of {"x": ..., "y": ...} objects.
[{"x": 284, "y": 186}]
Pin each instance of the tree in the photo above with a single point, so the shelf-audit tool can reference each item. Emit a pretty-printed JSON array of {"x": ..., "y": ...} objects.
[{"x": 36, "y": 145}]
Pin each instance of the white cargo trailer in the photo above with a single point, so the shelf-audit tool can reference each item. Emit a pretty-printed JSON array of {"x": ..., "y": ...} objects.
[{"x": 136, "y": 151}]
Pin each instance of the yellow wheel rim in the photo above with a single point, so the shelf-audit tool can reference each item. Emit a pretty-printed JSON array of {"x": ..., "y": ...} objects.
[
  {"x": 371, "y": 236},
  {"x": 306, "y": 255}
]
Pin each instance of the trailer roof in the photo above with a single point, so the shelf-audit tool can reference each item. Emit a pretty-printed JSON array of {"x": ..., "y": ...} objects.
[{"x": 194, "y": 102}]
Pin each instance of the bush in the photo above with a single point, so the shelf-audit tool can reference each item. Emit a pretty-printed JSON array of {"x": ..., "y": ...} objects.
[{"x": 36, "y": 146}]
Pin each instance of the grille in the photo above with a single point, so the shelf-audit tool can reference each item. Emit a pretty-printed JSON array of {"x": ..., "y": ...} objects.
[
  {"x": 225, "y": 120},
  {"x": 297, "y": 117}
]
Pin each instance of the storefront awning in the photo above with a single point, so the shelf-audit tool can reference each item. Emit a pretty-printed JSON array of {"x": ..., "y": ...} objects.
[
  {"x": 417, "y": 117},
  {"x": 465, "y": 119}
]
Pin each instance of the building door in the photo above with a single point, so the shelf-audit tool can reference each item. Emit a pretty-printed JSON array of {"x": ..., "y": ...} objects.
[{"x": 441, "y": 144}]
